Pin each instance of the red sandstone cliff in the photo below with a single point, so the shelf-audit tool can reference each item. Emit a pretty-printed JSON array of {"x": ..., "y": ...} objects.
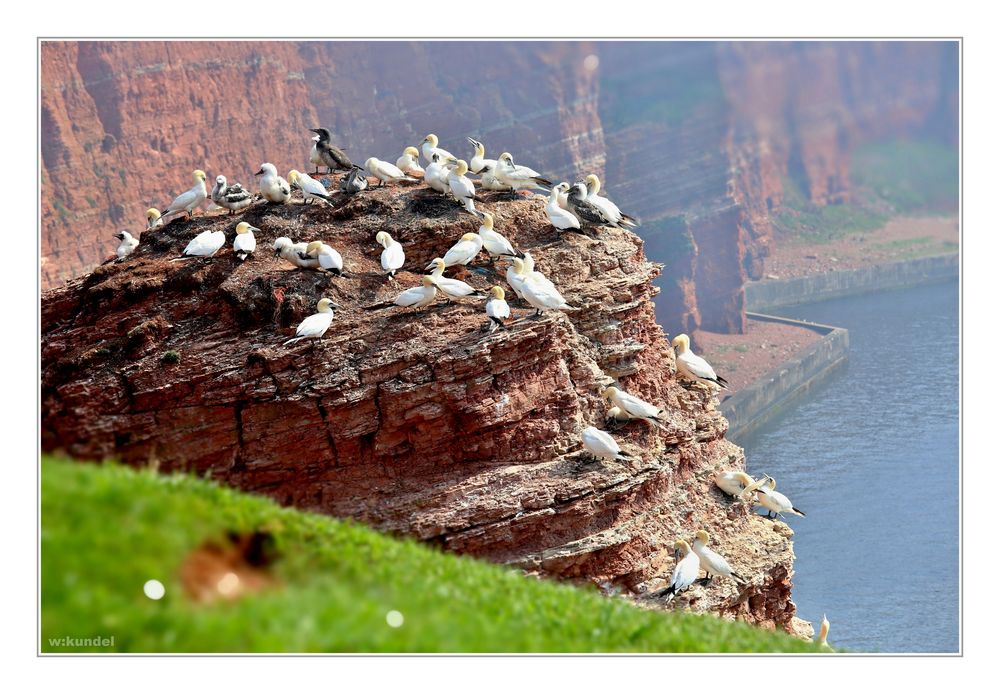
[{"x": 413, "y": 421}]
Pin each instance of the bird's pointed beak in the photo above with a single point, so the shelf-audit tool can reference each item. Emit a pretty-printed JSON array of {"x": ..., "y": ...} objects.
[
  {"x": 259, "y": 172},
  {"x": 430, "y": 267},
  {"x": 254, "y": 229}
]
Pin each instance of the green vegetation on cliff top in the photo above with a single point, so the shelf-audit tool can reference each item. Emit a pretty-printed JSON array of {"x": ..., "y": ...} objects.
[{"x": 107, "y": 529}]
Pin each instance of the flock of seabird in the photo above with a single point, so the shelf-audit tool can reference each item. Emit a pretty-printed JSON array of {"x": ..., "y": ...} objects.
[{"x": 575, "y": 207}]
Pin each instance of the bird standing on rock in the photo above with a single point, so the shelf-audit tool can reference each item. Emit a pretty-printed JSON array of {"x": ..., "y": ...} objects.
[
  {"x": 692, "y": 367},
  {"x": 461, "y": 187},
  {"x": 386, "y": 172},
  {"x": 273, "y": 187},
  {"x": 463, "y": 252},
  {"x": 204, "y": 245},
  {"x": 429, "y": 147},
  {"x": 561, "y": 219},
  {"x": 713, "y": 563},
  {"x": 187, "y": 201},
  {"x": 409, "y": 162},
  {"x": 392, "y": 256},
  {"x": 128, "y": 244},
  {"x": 436, "y": 174},
  {"x": 316, "y": 325},
  {"x": 333, "y": 158},
  {"x": 452, "y": 289},
  {"x": 245, "y": 242},
  {"x": 231, "y": 197},
  {"x": 685, "y": 572},
  {"x": 310, "y": 187},
  {"x": 518, "y": 177},
  {"x": 611, "y": 213},
  {"x": 327, "y": 257},
  {"x": 497, "y": 309},
  {"x": 776, "y": 503},
  {"x": 601, "y": 444},
  {"x": 634, "y": 407},
  {"x": 494, "y": 243}
]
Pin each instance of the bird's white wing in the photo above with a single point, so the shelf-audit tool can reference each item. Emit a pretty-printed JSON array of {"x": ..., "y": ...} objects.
[
  {"x": 393, "y": 257},
  {"x": 415, "y": 295},
  {"x": 205, "y": 243},
  {"x": 330, "y": 259},
  {"x": 496, "y": 243},
  {"x": 461, "y": 187},
  {"x": 462, "y": 252},
  {"x": 454, "y": 287},
  {"x": 545, "y": 294},
  {"x": 497, "y": 308},
  {"x": 605, "y": 439},
  {"x": 245, "y": 242},
  {"x": 314, "y": 325},
  {"x": 609, "y": 209},
  {"x": 183, "y": 200},
  {"x": 698, "y": 366},
  {"x": 637, "y": 407},
  {"x": 685, "y": 573}
]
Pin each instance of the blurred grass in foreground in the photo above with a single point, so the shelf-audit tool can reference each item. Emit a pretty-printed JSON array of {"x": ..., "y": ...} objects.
[{"x": 108, "y": 529}]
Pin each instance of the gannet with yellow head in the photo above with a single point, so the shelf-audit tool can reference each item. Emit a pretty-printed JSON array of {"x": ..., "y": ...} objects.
[
  {"x": 611, "y": 212},
  {"x": 409, "y": 162},
  {"x": 392, "y": 253},
  {"x": 541, "y": 295},
  {"x": 153, "y": 219},
  {"x": 497, "y": 308},
  {"x": 601, "y": 444},
  {"x": 312, "y": 190},
  {"x": 738, "y": 483},
  {"x": 714, "y": 564},
  {"x": 429, "y": 147},
  {"x": 316, "y": 325},
  {"x": 327, "y": 257},
  {"x": 518, "y": 177},
  {"x": 187, "y": 201},
  {"x": 632, "y": 406},
  {"x": 463, "y": 252},
  {"x": 495, "y": 243},
  {"x": 386, "y": 172},
  {"x": 776, "y": 503},
  {"x": 460, "y": 186},
  {"x": 685, "y": 572},
  {"x": 418, "y": 297},
  {"x": 691, "y": 367},
  {"x": 245, "y": 242},
  {"x": 452, "y": 289}
]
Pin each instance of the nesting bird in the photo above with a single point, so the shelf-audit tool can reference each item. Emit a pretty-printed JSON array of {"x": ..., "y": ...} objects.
[
  {"x": 312, "y": 189},
  {"x": 452, "y": 289},
  {"x": 355, "y": 181},
  {"x": 461, "y": 187},
  {"x": 692, "y": 367},
  {"x": 561, "y": 219},
  {"x": 392, "y": 254},
  {"x": 293, "y": 252},
  {"x": 418, "y": 297},
  {"x": 128, "y": 244},
  {"x": 316, "y": 325},
  {"x": 386, "y": 172},
  {"x": 713, "y": 563},
  {"x": 153, "y": 219},
  {"x": 187, "y": 201},
  {"x": 245, "y": 242},
  {"x": 326, "y": 257},
  {"x": 429, "y": 147},
  {"x": 463, "y": 252},
  {"x": 518, "y": 177},
  {"x": 273, "y": 187},
  {"x": 497, "y": 309},
  {"x": 204, "y": 245},
  {"x": 231, "y": 197},
  {"x": 333, "y": 158},
  {"x": 737, "y": 483},
  {"x": 634, "y": 407},
  {"x": 409, "y": 162},
  {"x": 495, "y": 243},
  {"x": 484, "y": 168},
  {"x": 601, "y": 444},
  {"x": 776, "y": 503}
]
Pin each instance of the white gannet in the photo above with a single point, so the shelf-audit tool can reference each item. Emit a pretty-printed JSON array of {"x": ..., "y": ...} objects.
[
  {"x": 633, "y": 406},
  {"x": 273, "y": 187},
  {"x": 333, "y": 158},
  {"x": 293, "y": 252},
  {"x": 328, "y": 258},
  {"x": 685, "y": 572},
  {"x": 436, "y": 174},
  {"x": 355, "y": 181},
  {"x": 385, "y": 172},
  {"x": 392, "y": 255},
  {"x": 611, "y": 212},
  {"x": 530, "y": 271},
  {"x": 738, "y": 483},
  {"x": 541, "y": 295},
  {"x": 418, "y": 297},
  {"x": 561, "y": 218},
  {"x": 189, "y": 199},
  {"x": 409, "y": 162},
  {"x": 460, "y": 186},
  {"x": 585, "y": 211},
  {"x": 478, "y": 163},
  {"x": 494, "y": 243},
  {"x": 600, "y": 444},
  {"x": 314, "y": 158},
  {"x": 429, "y": 147},
  {"x": 231, "y": 197},
  {"x": 692, "y": 367},
  {"x": 315, "y": 325},
  {"x": 463, "y": 252},
  {"x": 776, "y": 503},
  {"x": 497, "y": 308},
  {"x": 713, "y": 563},
  {"x": 204, "y": 245},
  {"x": 824, "y": 631},
  {"x": 245, "y": 242},
  {"x": 516, "y": 278},
  {"x": 310, "y": 187},
  {"x": 452, "y": 289},
  {"x": 518, "y": 177},
  {"x": 563, "y": 197},
  {"x": 128, "y": 244},
  {"x": 153, "y": 219}
]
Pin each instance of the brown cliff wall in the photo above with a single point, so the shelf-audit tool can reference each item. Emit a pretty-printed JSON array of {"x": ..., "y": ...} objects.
[{"x": 412, "y": 421}]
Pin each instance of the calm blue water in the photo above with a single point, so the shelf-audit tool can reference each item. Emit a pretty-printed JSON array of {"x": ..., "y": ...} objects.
[{"x": 872, "y": 458}]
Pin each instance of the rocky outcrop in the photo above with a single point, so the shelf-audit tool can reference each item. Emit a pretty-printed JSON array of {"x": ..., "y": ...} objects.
[{"x": 413, "y": 421}]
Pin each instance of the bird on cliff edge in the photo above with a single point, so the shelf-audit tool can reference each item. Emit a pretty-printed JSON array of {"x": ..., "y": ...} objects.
[
  {"x": 273, "y": 187},
  {"x": 776, "y": 503},
  {"x": 327, "y": 257},
  {"x": 153, "y": 219},
  {"x": 463, "y": 252},
  {"x": 714, "y": 564},
  {"x": 231, "y": 197},
  {"x": 738, "y": 483},
  {"x": 685, "y": 572},
  {"x": 414, "y": 297},
  {"x": 484, "y": 168},
  {"x": 429, "y": 147},
  {"x": 204, "y": 245},
  {"x": 293, "y": 253},
  {"x": 436, "y": 174},
  {"x": 538, "y": 291},
  {"x": 187, "y": 201},
  {"x": 386, "y": 172},
  {"x": 409, "y": 162},
  {"x": 461, "y": 187},
  {"x": 633, "y": 406},
  {"x": 392, "y": 257},
  {"x": 245, "y": 242},
  {"x": 315, "y": 326},
  {"x": 494, "y": 242},
  {"x": 311, "y": 188},
  {"x": 452, "y": 289},
  {"x": 610, "y": 210},
  {"x": 497, "y": 309},
  {"x": 518, "y": 177},
  {"x": 561, "y": 218},
  {"x": 602, "y": 445},
  {"x": 333, "y": 158},
  {"x": 128, "y": 244},
  {"x": 692, "y": 367}
]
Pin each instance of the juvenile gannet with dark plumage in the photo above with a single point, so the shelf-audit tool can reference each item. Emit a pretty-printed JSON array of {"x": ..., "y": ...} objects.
[
  {"x": 187, "y": 201},
  {"x": 776, "y": 503},
  {"x": 561, "y": 219},
  {"x": 587, "y": 212},
  {"x": 204, "y": 245},
  {"x": 273, "y": 187},
  {"x": 409, "y": 162},
  {"x": 293, "y": 253},
  {"x": 634, "y": 407},
  {"x": 610, "y": 210},
  {"x": 231, "y": 197},
  {"x": 327, "y": 257},
  {"x": 463, "y": 252},
  {"x": 153, "y": 219},
  {"x": 429, "y": 147},
  {"x": 461, "y": 187},
  {"x": 495, "y": 243},
  {"x": 497, "y": 308},
  {"x": 685, "y": 572},
  {"x": 310, "y": 187},
  {"x": 692, "y": 367},
  {"x": 354, "y": 182},
  {"x": 386, "y": 172},
  {"x": 518, "y": 177},
  {"x": 245, "y": 242},
  {"x": 128, "y": 244},
  {"x": 712, "y": 563},
  {"x": 392, "y": 254},
  {"x": 737, "y": 483},
  {"x": 453, "y": 289},
  {"x": 601, "y": 444},
  {"x": 334, "y": 158},
  {"x": 316, "y": 325}
]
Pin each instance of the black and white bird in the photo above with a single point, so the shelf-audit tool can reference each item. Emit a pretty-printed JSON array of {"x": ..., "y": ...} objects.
[
  {"x": 694, "y": 368},
  {"x": 354, "y": 182},
  {"x": 187, "y": 201},
  {"x": 685, "y": 572},
  {"x": 562, "y": 219},
  {"x": 461, "y": 187},
  {"x": 231, "y": 197},
  {"x": 128, "y": 244},
  {"x": 333, "y": 158},
  {"x": 585, "y": 211},
  {"x": 612, "y": 214},
  {"x": 312, "y": 189}
]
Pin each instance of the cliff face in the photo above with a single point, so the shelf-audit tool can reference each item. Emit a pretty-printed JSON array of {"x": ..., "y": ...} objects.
[
  {"x": 413, "y": 421},
  {"x": 695, "y": 138}
]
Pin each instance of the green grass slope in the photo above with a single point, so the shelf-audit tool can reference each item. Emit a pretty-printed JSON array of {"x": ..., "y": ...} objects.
[{"x": 108, "y": 529}]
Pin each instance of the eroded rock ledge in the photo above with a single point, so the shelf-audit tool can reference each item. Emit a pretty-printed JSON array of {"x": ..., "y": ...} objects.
[{"x": 412, "y": 421}]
